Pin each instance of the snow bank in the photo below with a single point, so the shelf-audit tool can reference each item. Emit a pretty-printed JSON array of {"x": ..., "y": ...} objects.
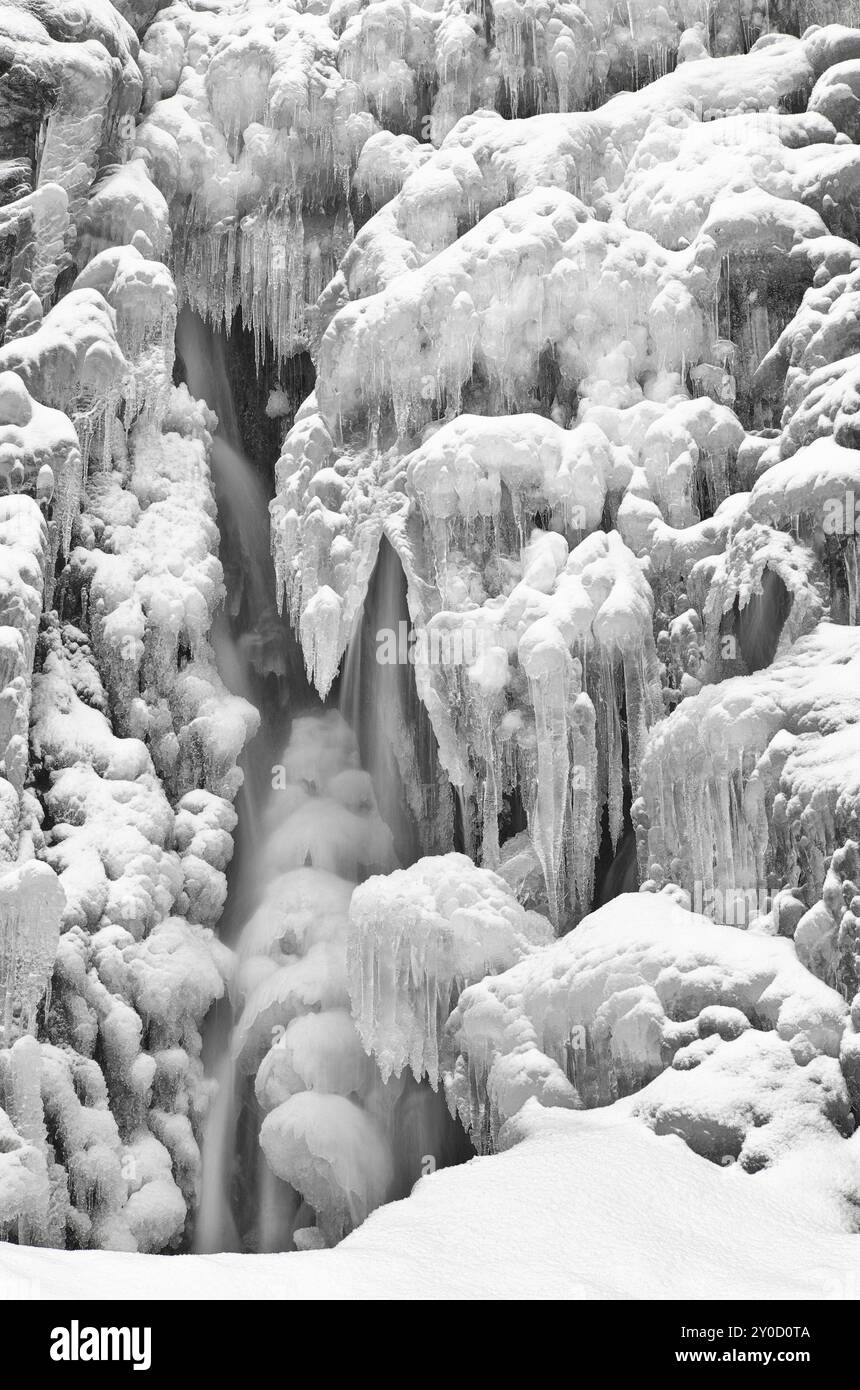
[{"x": 585, "y": 1206}]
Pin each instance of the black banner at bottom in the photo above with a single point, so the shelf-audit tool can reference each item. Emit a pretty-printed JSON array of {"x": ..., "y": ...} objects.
[{"x": 57, "y": 1340}]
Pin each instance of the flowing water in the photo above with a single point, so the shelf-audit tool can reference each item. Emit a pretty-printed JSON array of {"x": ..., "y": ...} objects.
[{"x": 330, "y": 796}]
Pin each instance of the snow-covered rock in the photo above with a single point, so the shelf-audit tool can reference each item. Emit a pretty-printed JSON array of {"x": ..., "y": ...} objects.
[{"x": 712, "y": 1033}]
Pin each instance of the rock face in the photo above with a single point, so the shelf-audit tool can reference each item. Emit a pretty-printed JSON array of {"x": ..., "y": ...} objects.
[
  {"x": 120, "y": 741},
  {"x": 580, "y": 289}
]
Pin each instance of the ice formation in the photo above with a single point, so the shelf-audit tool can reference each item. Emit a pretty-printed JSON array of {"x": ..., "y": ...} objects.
[
  {"x": 550, "y": 312},
  {"x": 254, "y": 121},
  {"x": 120, "y": 741},
  {"x": 757, "y": 789},
  {"x": 417, "y": 937},
  {"x": 448, "y": 416}
]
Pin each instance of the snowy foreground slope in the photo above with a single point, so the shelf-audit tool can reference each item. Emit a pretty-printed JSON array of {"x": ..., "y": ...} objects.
[
  {"x": 511, "y": 348},
  {"x": 587, "y": 1206}
]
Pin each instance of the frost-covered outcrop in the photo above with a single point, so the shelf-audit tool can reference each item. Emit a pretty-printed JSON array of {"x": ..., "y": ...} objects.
[
  {"x": 256, "y": 120},
  {"x": 750, "y": 784},
  {"x": 117, "y": 820},
  {"x": 540, "y": 326}
]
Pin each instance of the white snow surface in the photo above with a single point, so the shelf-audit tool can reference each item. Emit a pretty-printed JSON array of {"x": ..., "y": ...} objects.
[{"x": 586, "y": 1206}]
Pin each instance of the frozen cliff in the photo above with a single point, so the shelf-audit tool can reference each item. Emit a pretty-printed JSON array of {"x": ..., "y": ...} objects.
[{"x": 428, "y": 463}]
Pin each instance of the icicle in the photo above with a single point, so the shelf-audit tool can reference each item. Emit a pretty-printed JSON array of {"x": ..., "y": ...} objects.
[
  {"x": 611, "y": 745},
  {"x": 31, "y": 901},
  {"x": 851, "y": 554},
  {"x": 23, "y": 1101},
  {"x": 584, "y": 824},
  {"x": 418, "y": 937},
  {"x": 547, "y": 663},
  {"x": 320, "y": 633}
]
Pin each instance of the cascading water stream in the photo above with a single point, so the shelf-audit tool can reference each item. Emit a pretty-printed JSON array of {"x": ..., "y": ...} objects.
[
  {"x": 311, "y": 824},
  {"x": 377, "y": 697},
  {"x": 295, "y": 1081},
  {"x": 252, "y": 648},
  {"x": 256, "y": 651}
]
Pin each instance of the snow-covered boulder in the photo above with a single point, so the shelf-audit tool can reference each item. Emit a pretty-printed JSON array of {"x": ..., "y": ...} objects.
[{"x": 638, "y": 987}]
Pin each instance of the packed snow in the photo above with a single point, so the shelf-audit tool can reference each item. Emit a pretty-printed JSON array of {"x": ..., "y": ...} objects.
[{"x": 587, "y": 1206}]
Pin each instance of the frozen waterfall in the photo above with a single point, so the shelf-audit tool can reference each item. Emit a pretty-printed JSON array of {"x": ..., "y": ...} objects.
[{"x": 429, "y": 583}]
